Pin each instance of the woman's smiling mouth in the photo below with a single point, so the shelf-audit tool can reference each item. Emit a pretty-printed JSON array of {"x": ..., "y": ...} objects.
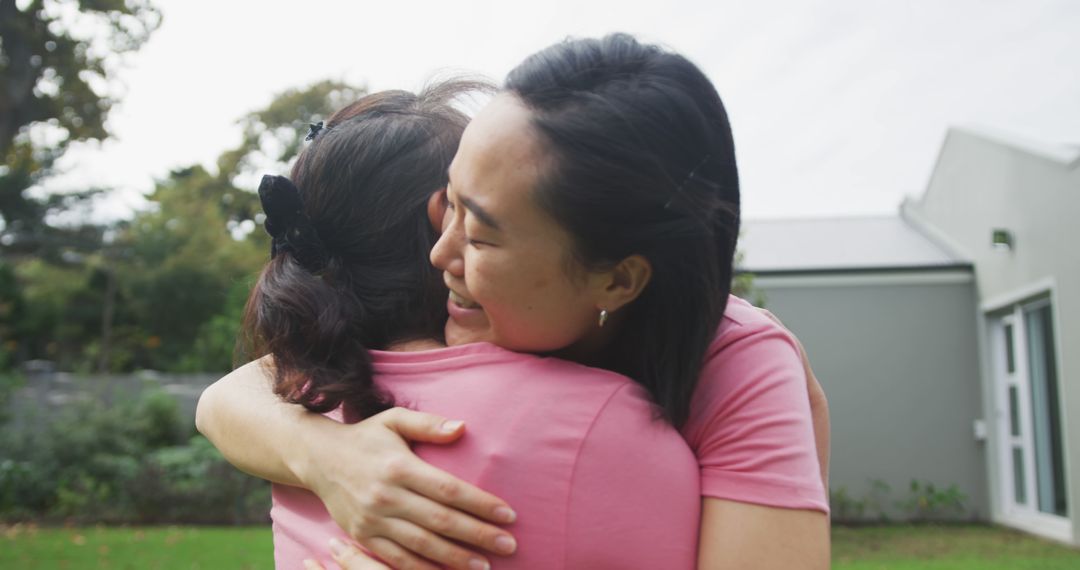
[
  {"x": 463, "y": 312},
  {"x": 462, "y": 301}
]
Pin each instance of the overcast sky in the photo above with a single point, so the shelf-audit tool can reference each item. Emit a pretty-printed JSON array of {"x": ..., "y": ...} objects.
[{"x": 839, "y": 106}]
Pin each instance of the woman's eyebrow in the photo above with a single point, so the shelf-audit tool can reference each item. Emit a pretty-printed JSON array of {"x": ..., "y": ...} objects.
[{"x": 481, "y": 214}]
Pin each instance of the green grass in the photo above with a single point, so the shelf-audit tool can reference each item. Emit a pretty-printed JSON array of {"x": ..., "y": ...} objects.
[
  {"x": 869, "y": 548},
  {"x": 946, "y": 548},
  {"x": 188, "y": 548}
]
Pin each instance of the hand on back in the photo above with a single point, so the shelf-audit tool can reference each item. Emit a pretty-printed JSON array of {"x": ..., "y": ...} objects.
[{"x": 403, "y": 510}]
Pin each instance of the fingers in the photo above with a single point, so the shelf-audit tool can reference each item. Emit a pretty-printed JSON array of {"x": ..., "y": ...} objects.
[
  {"x": 424, "y": 528},
  {"x": 456, "y": 525},
  {"x": 414, "y": 526},
  {"x": 349, "y": 558},
  {"x": 432, "y": 546},
  {"x": 421, "y": 426},
  {"x": 422, "y": 509},
  {"x": 450, "y": 491},
  {"x": 397, "y": 556}
]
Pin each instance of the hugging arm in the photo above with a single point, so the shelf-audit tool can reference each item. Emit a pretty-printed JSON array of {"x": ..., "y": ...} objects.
[
  {"x": 284, "y": 443},
  {"x": 744, "y": 536},
  {"x": 386, "y": 498},
  {"x": 734, "y": 535},
  {"x": 762, "y": 444}
]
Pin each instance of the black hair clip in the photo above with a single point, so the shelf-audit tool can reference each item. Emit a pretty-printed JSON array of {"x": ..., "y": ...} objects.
[
  {"x": 313, "y": 129},
  {"x": 287, "y": 225}
]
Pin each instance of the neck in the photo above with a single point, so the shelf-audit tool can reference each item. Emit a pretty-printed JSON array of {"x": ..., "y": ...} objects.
[
  {"x": 591, "y": 350},
  {"x": 414, "y": 345}
]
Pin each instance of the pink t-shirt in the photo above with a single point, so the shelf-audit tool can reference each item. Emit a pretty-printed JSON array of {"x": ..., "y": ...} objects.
[
  {"x": 595, "y": 481},
  {"x": 750, "y": 425}
]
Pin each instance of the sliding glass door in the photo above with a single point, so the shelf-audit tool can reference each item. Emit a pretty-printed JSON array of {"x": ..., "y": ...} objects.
[{"x": 1029, "y": 410}]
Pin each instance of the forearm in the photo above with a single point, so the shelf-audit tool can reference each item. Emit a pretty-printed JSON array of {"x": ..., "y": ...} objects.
[
  {"x": 254, "y": 429},
  {"x": 386, "y": 496}
]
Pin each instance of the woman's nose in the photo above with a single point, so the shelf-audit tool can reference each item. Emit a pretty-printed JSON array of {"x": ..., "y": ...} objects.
[{"x": 446, "y": 255}]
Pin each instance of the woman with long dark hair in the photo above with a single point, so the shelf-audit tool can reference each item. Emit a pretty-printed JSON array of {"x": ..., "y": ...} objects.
[
  {"x": 351, "y": 312},
  {"x": 592, "y": 215}
]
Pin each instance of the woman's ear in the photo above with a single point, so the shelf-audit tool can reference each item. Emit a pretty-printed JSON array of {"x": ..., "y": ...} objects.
[
  {"x": 436, "y": 210},
  {"x": 623, "y": 283}
]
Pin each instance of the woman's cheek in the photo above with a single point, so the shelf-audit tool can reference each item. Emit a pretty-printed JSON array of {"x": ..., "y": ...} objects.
[{"x": 482, "y": 278}]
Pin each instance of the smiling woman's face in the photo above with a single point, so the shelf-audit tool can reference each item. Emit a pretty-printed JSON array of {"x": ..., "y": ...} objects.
[{"x": 509, "y": 266}]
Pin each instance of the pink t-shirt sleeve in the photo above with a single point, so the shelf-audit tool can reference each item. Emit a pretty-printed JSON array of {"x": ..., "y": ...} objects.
[
  {"x": 634, "y": 498},
  {"x": 750, "y": 423}
]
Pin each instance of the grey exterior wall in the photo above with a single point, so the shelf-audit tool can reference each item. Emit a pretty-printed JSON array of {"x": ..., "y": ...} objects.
[
  {"x": 981, "y": 184},
  {"x": 899, "y": 365}
]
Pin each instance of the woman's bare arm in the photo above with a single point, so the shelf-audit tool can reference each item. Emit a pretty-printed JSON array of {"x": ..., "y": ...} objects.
[
  {"x": 742, "y": 536},
  {"x": 229, "y": 412},
  {"x": 379, "y": 492},
  {"x": 736, "y": 535}
]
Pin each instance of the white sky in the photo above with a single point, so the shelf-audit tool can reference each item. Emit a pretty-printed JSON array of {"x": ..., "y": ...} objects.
[{"x": 839, "y": 106}]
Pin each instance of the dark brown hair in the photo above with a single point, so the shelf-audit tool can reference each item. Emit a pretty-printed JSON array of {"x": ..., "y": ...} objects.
[
  {"x": 644, "y": 163},
  {"x": 364, "y": 181}
]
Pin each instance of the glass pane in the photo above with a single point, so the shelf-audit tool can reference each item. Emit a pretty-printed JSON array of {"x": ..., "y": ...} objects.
[
  {"x": 1010, "y": 356},
  {"x": 1019, "y": 484},
  {"x": 1045, "y": 412},
  {"x": 1014, "y": 411}
]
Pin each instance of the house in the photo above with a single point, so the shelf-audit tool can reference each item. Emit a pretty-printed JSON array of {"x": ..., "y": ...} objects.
[{"x": 948, "y": 337}]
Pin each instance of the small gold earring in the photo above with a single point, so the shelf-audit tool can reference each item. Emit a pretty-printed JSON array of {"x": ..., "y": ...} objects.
[{"x": 603, "y": 317}]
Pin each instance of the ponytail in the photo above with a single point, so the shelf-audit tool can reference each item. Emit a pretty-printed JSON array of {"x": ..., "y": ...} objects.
[
  {"x": 313, "y": 328},
  {"x": 348, "y": 271}
]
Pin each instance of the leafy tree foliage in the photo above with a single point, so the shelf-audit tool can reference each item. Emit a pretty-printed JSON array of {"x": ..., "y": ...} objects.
[
  {"x": 182, "y": 261},
  {"x": 166, "y": 289},
  {"x": 272, "y": 137},
  {"x": 57, "y": 62},
  {"x": 53, "y": 72}
]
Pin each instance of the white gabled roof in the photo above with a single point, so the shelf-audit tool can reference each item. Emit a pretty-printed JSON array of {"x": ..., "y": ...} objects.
[
  {"x": 1068, "y": 154},
  {"x": 839, "y": 244}
]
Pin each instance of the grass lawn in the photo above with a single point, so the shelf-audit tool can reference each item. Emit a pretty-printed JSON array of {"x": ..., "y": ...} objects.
[
  {"x": 946, "y": 548},
  {"x": 869, "y": 548},
  {"x": 189, "y": 548}
]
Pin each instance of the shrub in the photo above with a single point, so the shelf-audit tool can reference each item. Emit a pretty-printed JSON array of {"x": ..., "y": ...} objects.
[
  {"x": 194, "y": 484},
  {"x": 927, "y": 502},
  {"x": 924, "y": 503},
  {"x": 130, "y": 462}
]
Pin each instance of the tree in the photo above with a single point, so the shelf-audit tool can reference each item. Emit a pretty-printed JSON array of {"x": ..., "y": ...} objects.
[
  {"x": 273, "y": 136},
  {"x": 189, "y": 263},
  {"x": 180, "y": 263},
  {"x": 167, "y": 289},
  {"x": 51, "y": 72},
  {"x": 58, "y": 59}
]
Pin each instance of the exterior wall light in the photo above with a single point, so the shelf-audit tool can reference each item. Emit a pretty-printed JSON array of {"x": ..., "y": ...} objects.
[{"x": 1002, "y": 239}]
